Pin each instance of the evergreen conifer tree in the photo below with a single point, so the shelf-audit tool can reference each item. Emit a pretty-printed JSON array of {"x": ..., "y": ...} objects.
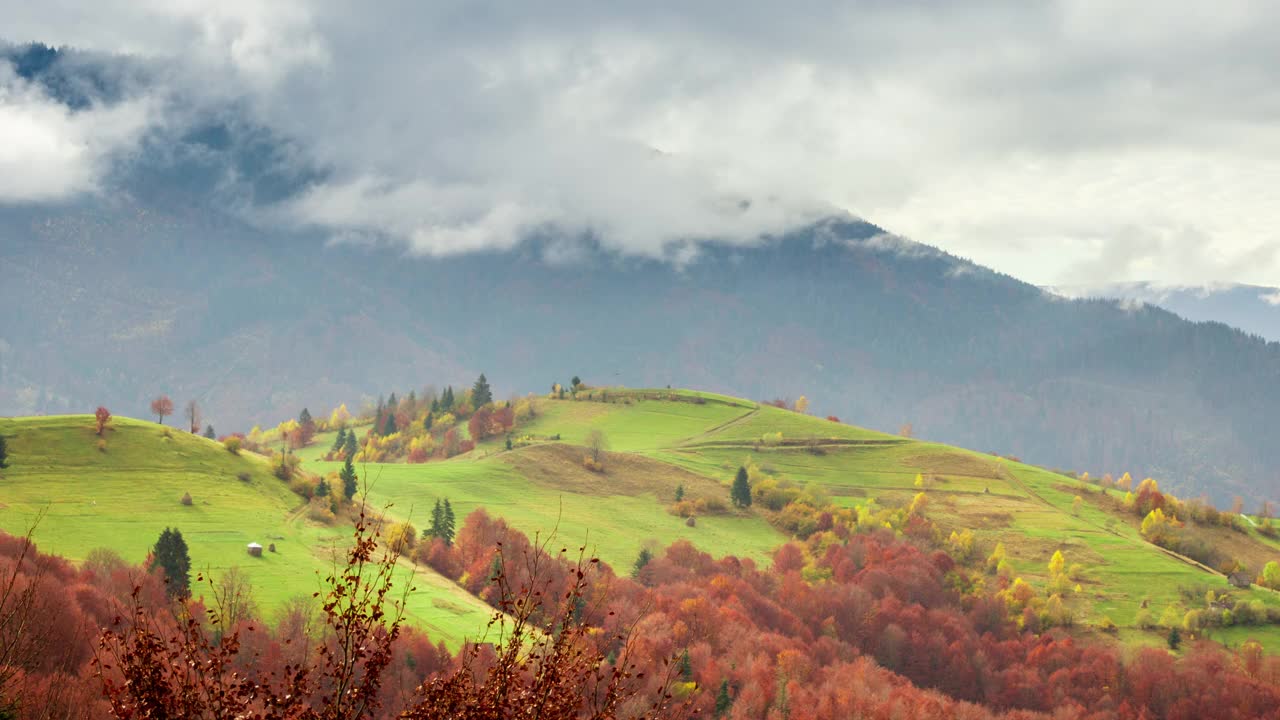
[
  {"x": 685, "y": 667},
  {"x": 339, "y": 440},
  {"x": 740, "y": 493},
  {"x": 437, "y": 520},
  {"x": 209, "y": 433},
  {"x": 350, "y": 447},
  {"x": 4, "y": 453},
  {"x": 641, "y": 560},
  {"x": 430, "y": 419},
  {"x": 390, "y": 427},
  {"x": 481, "y": 394},
  {"x": 448, "y": 527},
  {"x": 679, "y": 492},
  {"x": 304, "y": 417},
  {"x": 322, "y": 489},
  {"x": 170, "y": 555},
  {"x": 348, "y": 476},
  {"x": 723, "y": 701}
]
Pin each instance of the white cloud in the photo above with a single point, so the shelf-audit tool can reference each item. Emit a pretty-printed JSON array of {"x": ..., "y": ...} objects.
[
  {"x": 1271, "y": 298},
  {"x": 50, "y": 152},
  {"x": 1061, "y": 142}
]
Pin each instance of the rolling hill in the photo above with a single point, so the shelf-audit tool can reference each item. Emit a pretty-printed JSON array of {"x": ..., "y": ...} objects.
[{"x": 122, "y": 497}]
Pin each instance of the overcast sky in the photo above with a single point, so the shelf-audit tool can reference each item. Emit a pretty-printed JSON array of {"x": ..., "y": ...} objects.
[{"x": 1061, "y": 142}]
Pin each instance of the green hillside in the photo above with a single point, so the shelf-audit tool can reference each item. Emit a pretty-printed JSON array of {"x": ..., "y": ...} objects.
[
  {"x": 658, "y": 440},
  {"x": 122, "y": 498}
]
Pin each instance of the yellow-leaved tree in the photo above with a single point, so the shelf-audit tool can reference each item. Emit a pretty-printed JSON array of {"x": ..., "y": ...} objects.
[
  {"x": 339, "y": 417},
  {"x": 997, "y": 557},
  {"x": 1057, "y": 563},
  {"x": 802, "y": 404}
]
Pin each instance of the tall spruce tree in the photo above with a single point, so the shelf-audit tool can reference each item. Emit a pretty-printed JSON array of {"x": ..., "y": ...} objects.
[
  {"x": 322, "y": 488},
  {"x": 430, "y": 419},
  {"x": 4, "y": 453},
  {"x": 348, "y": 476},
  {"x": 685, "y": 667},
  {"x": 446, "y": 400},
  {"x": 339, "y": 440},
  {"x": 723, "y": 701},
  {"x": 209, "y": 433},
  {"x": 481, "y": 394},
  {"x": 740, "y": 493},
  {"x": 304, "y": 417},
  {"x": 449, "y": 527},
  {"x": 170, "y": 555},
  {"x": 349, "y": 446},
  {"x": 390, "y": 427},
  {"x": 641, "y": 561},
  {"x": 437, "y": 520}
]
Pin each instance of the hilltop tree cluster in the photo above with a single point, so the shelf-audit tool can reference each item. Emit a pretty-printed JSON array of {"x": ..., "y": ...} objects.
[{"x": 421, "y": 427}]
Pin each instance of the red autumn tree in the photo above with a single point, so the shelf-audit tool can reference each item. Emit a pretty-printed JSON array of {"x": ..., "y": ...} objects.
[
  {"x": 162, "y": 406},
  {"x": 102, "y": 416},
  {"x": 480, "y": 425}
]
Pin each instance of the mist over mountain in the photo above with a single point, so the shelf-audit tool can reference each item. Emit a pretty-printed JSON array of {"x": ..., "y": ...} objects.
[
  {"x": 1252, "y": 308},
  {"x": 178, "y": 281}
]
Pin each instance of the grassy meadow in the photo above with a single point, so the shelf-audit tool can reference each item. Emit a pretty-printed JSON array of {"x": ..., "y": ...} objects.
[
  {"x": 658, "y": 440},
  {"x": 122, "y": 497}
]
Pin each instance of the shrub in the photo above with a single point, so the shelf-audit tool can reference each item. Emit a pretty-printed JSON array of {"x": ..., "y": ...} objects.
[
  {"x": 320, "y": 510},
  {"x": 1144, "y": 620},
  {"x": 713, "y": 506},
  {"x": 233, "y": 445},
  {"x": 186, "y": 498},
  {"x": 303, "y": 487},
  {"x": 401, "y": 537},
  {"x": 271, "y": 547},
  {"x": 691, "y": 522},
  {"x": 592, "y": 464},
  {"x": 1107, "y": 625},
  {"x": 244, "y": 476}
]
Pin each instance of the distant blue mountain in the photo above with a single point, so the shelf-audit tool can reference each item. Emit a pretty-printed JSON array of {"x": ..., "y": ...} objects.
[{"x": 1252, "y": 308}]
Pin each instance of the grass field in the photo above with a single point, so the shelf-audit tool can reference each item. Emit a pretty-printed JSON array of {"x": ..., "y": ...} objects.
[
  {"x": 122, "y": 498},
  {"x": 612, "y": 524},
  {"x": 641, "y": 425}
]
